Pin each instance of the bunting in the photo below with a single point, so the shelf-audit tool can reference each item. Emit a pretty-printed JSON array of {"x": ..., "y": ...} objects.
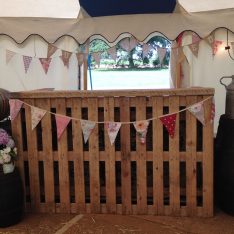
[
  {"x": 194, "y": 48},
  {"x": 141, "y": 128},
  {"x": 112, "y": 130},
  {"x": 27, "y": 61},
  {"x": 132, "y": 43},
  {"x": 198, "y": 111},
  {"x": 9, "y": 55},
  {"x": 36, "y": 115},
  {"x": 51, "y": 50},
  {"x": 45, "y": 62},
  {"x": 66, "y": 57},
  {"x": 15, "y": 106},
  {"x": 125, "y": 44},
  {"x": 61, "y": 123},
  {"x": 169, "y": 121},
  {"x": 87, "y": 127},
  {"x": 112, "y": 52},
  {"x": 210, "y": 39},
  {"x": 216, "y": 45},
  {"x": 161, "y": 54},
  {"x": 97, "y": 57},
  {"x": 145, "y": 49},
  {"x": 80, "y": 58}
]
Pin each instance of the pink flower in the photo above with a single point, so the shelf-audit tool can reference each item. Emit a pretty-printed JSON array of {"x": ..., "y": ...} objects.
[{"x": 4, "y": 137}]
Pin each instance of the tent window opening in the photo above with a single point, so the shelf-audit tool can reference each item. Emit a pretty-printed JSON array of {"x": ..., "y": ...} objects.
[{"x": 129, "y": 65}]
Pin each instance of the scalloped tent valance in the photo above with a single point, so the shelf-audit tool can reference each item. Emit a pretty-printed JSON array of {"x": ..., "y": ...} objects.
[{"x": 111, "y": 28}]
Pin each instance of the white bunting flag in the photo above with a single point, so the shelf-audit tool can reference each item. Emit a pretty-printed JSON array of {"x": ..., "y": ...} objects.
[
  {"x": 198, "y": 111},
  {"x": 66, "y": 57},
  {"x": 97, "y": 57},
  {"x": 112, "y": 52},
  {"x": 146, "y": 49},
  {"x": 113, "y": 129},
  {"x": 27, "y": 61},
  {"x": 61, "y": 123},
  {"x": 87, "y": 127},
  {"x": 15, "y": 106},
  {"x": 51, "y": 50},
  {"x": 36, "y": 115},
  {"x": 9, "y": 55},
  {"x": 161, "y": 54},
  {"x": 141, "y": 129}
]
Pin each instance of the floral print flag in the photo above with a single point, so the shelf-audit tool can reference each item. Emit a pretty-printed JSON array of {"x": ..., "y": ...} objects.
[
  {"x": 45, "y": 62},
  {"x": 9, "y": 56},
  {"x": 169, "y": 121},
  {"x": 15, "y": 106},
  {"x": 113, "y": 129},
  {"x": 198, "y": 111},
  {"x": 27, "y": 61},
  {"x": 61, "y": 123},
  {"x": 66, "y": 57},
  {"x": 36, "y": 115},
  {"x": 87, "y": 127},
  {"x": 141, "y": 128},
  {"x": 51, "y": 50}
]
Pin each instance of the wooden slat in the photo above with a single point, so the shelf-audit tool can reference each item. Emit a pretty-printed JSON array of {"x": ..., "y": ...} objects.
[
  {"x": 125, "y": 156},
  {"x": 64, "y": 183},
  {"x": 207, "y": 162},
  {"x": 47, "y": 155},
  {"x": 32, "y": 160},
  {"x": 110, "y": 159},
  {"x": 79, "y": 156},
  {"x": 174, "y": 163},
  {"x": 158, "y": 156},
  {"x": 94, "y": 158},
  {"x": 141, "y": 161},
  {"x": 191, "y": 160}
]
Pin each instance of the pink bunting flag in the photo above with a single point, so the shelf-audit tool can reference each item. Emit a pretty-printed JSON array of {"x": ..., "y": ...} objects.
[
  {"x": 195, "y": 38},
  {"x": 216, "y": 46},
  {"x": 194, "y": 48},
  {"x": 61, "y": 123},
  {"x": 66, "y": 57},
  {"x": 80, "y": 58},
  {"x": 9, "y": 55},
  {"x": 141, "y": 129},
  {"x": 132, "y": 43},
  {"x": 97, "y": 57},
  {"x": 198, "y": 111},
  {"x": 125, "y": 44},
  {"x": 51, "y": 50},
  {"x": 161, "y": 54},
  {"x": 15, "y": 106},
  {"x": 27, "y": 61},
  {"x": 45, "y": 62},
  {"x": 36, "y": 115},
  {"x": 87, "y": 127},
  {"x": 145, "y": 49},
  {"x": 212, "y": 112},
  {"x": 113, "y": 129},
  {"x": 112, "y": 52},
  {"x": 169, "y": 121}
]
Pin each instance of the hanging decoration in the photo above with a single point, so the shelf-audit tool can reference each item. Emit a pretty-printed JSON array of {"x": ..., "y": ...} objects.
[
  {"x": 87, "y": 127},
  {"x": 198, "y": 111},
  {"x": 51, "y": 50},
  {"x": 210, "y": 39},
  {"x": 141, "y": 129},
  {"x": 15, "y": 106},
  {"x": 132, "y": 43},
  {"x": 36, "y": 115},
  {"x": 27, "y": 61},
  {"x": 194, "y": 48},
  {"x": 45, "y": 62},
  {"x": 215, "y": 47},
  {"x": 80, "y": 58},
  {"x": 9, "y": 55},
  {"x": 112, "y": 52},
  {"x": 66, "y": 57},
  {"x": 146, "y": 49},
  {"x": 61, "y": 123},
  {"x": 97, "y": 57},
  {"x": 161, "y": 54},
  {"x": 125, "y": 44},
  {"x": 169, "y": 121},
  {"x": 112, "y": 130}
]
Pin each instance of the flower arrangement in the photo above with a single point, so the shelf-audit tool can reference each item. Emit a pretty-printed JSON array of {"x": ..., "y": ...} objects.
[{"x": 8, "y": 151}]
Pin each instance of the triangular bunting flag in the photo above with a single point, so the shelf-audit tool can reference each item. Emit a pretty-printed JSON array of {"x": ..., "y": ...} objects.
[
  {"x": 45, "y": 62},
  {"x": 145, "y": 49},
  {"x": 195, "y": 38},
  {"x": 15, "y": 106},
  {"x": 212, "y": 112},
  {"x": 198, "y": 111},
  {"x": 66, "y": 57},
  {"x": 9, "y": 55},
  {"x": 125, "y": 44},
  {"x": 133, "y": 43},
  {"x": 169, "y": 121},
  {"x": 112, "y": 52},
  {"x": 178, "y": 54},
  {"x": 61, "y": 123},
  {"x": 97, "y": 57},
  {"x": 215, "y": 47},
  {"x": 87, "y": 127},
  {"x": 36, "y": 115},
  {"x": 232, "y": 45},
  {"x": 113, "y": 129},
  {"x": 210, "y": 39},
  {"x": 194, "y": 48},
  {"x": 27, "y": 61},
  {"x": 141, "y": 128},
  {"x": 80, "y": 58},
  {"x": 161, "y": 54},
  {"x": 51, "y": 50}
]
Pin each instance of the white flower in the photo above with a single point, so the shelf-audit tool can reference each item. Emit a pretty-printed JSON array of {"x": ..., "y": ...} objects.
[
  {"x": 6, "y": 158},
  {"x": 11, "y": 143},
  {"x": 15, "y": 150},
  {"x": 7, "y": 150}
]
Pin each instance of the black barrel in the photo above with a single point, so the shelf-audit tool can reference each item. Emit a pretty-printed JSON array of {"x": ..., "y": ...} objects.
[
  {"x": 11, "y": 198},
  {"x": 4, "y": 104},
  {"x": 224, "y": 165}
]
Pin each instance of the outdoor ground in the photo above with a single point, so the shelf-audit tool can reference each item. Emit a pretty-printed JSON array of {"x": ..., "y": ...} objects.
[
  {"x": 129, "y": 79},
  {"x": 221, "y": 223}
]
